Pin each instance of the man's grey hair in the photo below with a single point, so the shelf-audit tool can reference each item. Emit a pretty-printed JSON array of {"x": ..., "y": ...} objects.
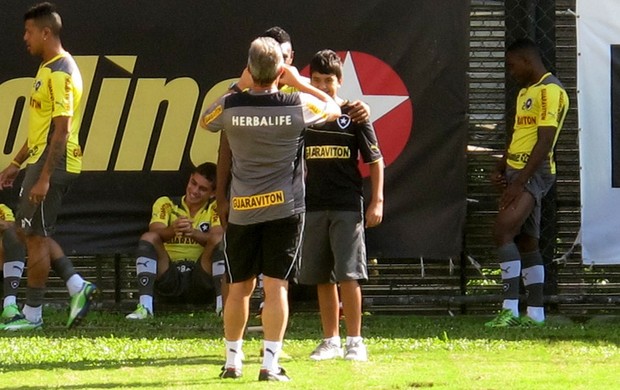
[{"x": 265, "y": 60}]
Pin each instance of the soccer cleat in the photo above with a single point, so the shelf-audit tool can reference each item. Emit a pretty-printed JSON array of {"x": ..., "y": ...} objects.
[
  {"x": 10, "y": 312},
  {"x": 326, "y": 351},
  {"x": 230, "y": 373},
  {"x": 280, "y": 376},
  {"x": 356, "y": 352},
  {"x": 529, "y": 322},
  {"x": 80, "y": 304},
  {"x": 19, "y": 322},
  {"x": 504, "y": 319},
  {"x": 141, "y": 313}
]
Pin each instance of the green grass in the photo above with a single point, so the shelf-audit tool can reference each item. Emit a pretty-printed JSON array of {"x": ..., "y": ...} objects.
[{"x": 185, "y": 351}]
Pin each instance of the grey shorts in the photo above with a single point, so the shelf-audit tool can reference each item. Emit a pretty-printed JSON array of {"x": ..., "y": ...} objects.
[
  {"x": 41, "y": 219},
  {"x": 334, "y": 248},
  {"x": 538, "y": 185}
]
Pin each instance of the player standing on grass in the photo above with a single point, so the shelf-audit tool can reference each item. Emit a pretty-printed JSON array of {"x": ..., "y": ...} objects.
[
  {"x": 525, "y": 174},
  {"x": 53, "y": 159},
  {"x": 265, "y": 215},
  {"x": 334, "y": 251}
]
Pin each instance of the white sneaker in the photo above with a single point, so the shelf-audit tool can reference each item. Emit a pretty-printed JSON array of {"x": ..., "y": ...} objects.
[
  {"x": 326, "y": 351},
  {"x": 356, "y": 351},
  {"x": 141, "y": 313}
]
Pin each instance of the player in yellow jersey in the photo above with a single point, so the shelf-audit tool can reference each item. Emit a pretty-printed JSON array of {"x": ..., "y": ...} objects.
[
  {"x": 175, "y": 258},
  {"x": 525, "y": 174},
  {"x": 12, "y": 259},
  {"x": 53, "y": 160}
]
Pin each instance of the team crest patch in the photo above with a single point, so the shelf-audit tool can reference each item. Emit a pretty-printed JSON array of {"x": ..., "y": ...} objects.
[
  {"x": 14, "y": 284},
  {"x": 528, "y": 104},
  {"x": 204, "y": 227},
  {"x": 144, "y": 281},
  {"x": 344, "y": 121},
  {"x": 37, "y": 85}
]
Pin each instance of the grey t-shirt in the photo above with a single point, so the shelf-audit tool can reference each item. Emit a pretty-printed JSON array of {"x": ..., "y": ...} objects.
[{"x": 265, "y": 133}]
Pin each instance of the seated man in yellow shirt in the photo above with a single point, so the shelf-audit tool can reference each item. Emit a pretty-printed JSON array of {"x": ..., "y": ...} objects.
[{"x": 174, "y": 259}]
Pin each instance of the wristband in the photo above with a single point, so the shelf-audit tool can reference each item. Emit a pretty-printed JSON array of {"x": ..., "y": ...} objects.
[{"x": 18, "y": 165}]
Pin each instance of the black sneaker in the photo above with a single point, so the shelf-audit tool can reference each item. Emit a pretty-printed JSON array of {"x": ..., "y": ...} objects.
[
  {"x": 230, "y": 373},
  {"x": 280, "y": 376}
]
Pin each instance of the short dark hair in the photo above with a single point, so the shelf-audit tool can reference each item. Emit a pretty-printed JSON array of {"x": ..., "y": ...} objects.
[
  {"x": 525, "y": 46},
  {"x": 326, "y": 62},
  {"x": 45, "y": 15},
  {"x": 208, "y": 170},
  {"x": 277, "y": 33}
]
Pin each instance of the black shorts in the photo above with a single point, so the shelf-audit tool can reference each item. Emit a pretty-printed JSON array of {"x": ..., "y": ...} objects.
[
  {"x": 271, "y": 248},
  {"x": 41, "y": 219},
  {"x": 185, "y": 282}
]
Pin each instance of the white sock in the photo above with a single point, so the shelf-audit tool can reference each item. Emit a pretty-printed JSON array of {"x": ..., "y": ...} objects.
[
  {"x": 33, "y": 314},
  {"x": 353, "y": 340},
  {"x": 10, "y": 300},
  {"x": 271, "y": 354},
  {"x": 147, "y": 301},
  {"x": 74, "y": 284},
  {"x": 234, "y": 354},
  {"x": 512, "y": 304},
  {"x": 335, "y": 340},
  {"x": 218, "y": 304},
  {"x": 536, "y": 313}
]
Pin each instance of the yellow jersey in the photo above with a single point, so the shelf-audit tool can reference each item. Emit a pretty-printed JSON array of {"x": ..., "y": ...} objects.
[
  {"x": 166, "y": 210},
  {"x": 56, "y": 92},
  {"x": 542, "y": 104}
]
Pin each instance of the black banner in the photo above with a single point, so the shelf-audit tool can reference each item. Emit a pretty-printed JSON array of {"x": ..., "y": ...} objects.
[{"x": 151, "y": 67}]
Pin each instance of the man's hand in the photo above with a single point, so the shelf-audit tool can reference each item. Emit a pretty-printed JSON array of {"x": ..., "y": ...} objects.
[
  {"x": 359, "y": 111},
  {"x": 7, "y": 176},
  {"x": 498, "y": 179},
  {"x": 182, "y": 226},
  {"x": 511, "y": 194},
  {"x": 39, "y": 190}
]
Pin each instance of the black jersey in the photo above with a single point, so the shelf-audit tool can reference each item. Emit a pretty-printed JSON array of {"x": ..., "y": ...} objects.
[{"x": 334, "y": 181}]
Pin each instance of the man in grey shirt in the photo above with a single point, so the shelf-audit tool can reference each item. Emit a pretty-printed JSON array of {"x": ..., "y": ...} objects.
[{"x": 264, "y": 216}]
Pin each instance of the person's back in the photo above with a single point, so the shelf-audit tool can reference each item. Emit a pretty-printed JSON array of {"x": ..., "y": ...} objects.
[
  {"x": 263, "y": 135},
  {"x": 252, "y": 123}
]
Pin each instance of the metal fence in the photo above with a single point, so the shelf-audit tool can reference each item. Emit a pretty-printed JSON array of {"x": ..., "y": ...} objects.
[{"x": 570, "y": 287}]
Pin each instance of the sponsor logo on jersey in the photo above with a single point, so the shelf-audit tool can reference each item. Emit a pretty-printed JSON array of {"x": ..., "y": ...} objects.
[
  {"x": 258, "y": 201},
  {"x": 328, "y": 152},
  {"x": 261, "y": 120},
  {"x": 212, "y": 115},
  {"x": 526, "y": 120}
]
